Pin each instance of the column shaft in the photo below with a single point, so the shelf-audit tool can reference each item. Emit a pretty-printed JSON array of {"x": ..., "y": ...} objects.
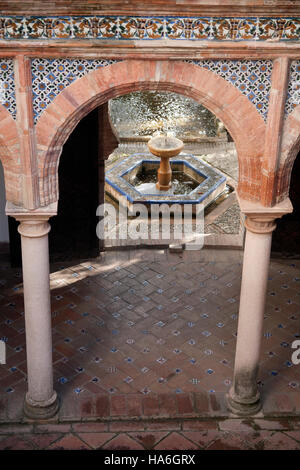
[
  {"x": 243, "y": 397},
  {"x": 251, "y": 313},
  {"x": 41, "y": 399},
  {"x": 37, "y": 317}
]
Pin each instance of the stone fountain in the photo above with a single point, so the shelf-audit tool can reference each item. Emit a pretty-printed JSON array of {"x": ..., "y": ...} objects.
[
  {"x": 152, "y": 179},
  {"x": 164, "y": 147}
]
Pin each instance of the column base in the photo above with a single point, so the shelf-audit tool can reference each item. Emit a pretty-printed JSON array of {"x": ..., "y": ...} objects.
[
  {"x": 243, "y": 406},
  {"x": 41, "y": 410}
]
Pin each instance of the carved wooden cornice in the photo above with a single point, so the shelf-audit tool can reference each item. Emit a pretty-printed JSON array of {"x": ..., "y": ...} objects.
[{"x": 156, "y": 7}]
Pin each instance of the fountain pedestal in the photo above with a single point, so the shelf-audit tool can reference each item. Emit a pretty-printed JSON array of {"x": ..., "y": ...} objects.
[
  {"x": 165, "y": 148},
  {"x": 164, "y": 175}
]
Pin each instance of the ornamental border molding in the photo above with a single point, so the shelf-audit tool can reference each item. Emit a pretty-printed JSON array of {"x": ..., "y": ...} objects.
[{"x": 149, "y": 28}]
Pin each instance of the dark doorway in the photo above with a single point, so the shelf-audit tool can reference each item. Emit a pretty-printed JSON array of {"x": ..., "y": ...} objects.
[
  {"x": 81, "y": 190},
  {"x": 73, "y": 230},
  {"x": 286, "y": 237}
]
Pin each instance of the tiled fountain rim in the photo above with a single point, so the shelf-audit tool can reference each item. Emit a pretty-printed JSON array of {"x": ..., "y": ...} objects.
[
  {"x": 171, "y": 162},
  {"x": 132, "y": 195}
]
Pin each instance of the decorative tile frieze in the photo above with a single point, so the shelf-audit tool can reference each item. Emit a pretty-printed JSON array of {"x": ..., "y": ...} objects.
[
  {"x": 293, "y": 91},
  {"x": 7, "y": 86},
  {"x": 159, "y": 27},
  {"x": 51, "y": 76},
  {"x": 251, "y": 77}
]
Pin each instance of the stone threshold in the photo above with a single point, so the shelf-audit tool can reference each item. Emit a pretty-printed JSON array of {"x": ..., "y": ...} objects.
[{"x": 154, "y": 408}]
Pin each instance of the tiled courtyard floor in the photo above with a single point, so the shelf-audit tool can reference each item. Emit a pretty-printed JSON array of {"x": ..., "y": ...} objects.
[{"x": 145, "y": 339}]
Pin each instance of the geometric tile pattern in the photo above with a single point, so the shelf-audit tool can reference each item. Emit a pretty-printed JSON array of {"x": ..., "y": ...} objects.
[
  {"x": 158, "y": 27},
  {"x": 251, "y": 77},
  {"x": 149, "y": 322},
  {"x": 227, "y": 222},
  {"x": 7, "y": 86},
  {"x": 293, "y": 91},
  {"x": 51, "y": 76}
]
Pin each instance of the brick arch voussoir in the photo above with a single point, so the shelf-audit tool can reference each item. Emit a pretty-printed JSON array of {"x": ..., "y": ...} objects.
[
  {"x": 290, "y": 147},
  {"x": 9, "y": 156},
  {"x": 9, "y": 138},
  {"x": 238, "y": 114}
]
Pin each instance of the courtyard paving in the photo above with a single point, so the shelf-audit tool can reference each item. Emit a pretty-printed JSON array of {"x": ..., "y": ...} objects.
[{"x": 143, "y": 349}]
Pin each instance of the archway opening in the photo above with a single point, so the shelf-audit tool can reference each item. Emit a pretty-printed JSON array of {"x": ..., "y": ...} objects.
[
  {"x": 73, "y": 230},
  {"x": 99, "y": 143},
  {"x": 135, "y": 118},
  {"x": 286, "y": 237}
]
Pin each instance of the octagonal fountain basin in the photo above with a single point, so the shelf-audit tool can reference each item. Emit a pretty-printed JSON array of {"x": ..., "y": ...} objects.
[{"x": 193, "y": 181}]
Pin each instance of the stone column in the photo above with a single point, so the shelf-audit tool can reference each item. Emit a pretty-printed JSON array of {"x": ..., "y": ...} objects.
[
  {"x": 41, "y": 400},
  {"x": 243, "y": 398}
]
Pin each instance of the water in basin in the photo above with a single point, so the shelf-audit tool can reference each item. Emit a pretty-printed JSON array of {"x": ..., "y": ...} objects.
[{"x": 145, "y": 180}]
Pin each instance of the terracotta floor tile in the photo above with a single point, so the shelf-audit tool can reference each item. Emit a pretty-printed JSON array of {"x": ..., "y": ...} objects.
[
  {"x": 96, "y": 440},
  {"x": 202, "y": 438},
  {"x": 228, "y": 442},
  {"x": 123, "y": 442},
  {"x": 281, "y": 441},
  {"x": 16, "y": 443},
  {"x": 294, "y": 434},
  {"x": 69, "y": 442},
  {"x": 147, "y": 438},
  {"x": 175, "y": 441},
  {"x": 43, "y": 440}
]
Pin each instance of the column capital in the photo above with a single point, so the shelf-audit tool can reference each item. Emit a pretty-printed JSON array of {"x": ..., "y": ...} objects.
[
  {"x": 260, "y": 224},
  {"x": 33, "y": 223},
  {"x": 261, "y": 219}
]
